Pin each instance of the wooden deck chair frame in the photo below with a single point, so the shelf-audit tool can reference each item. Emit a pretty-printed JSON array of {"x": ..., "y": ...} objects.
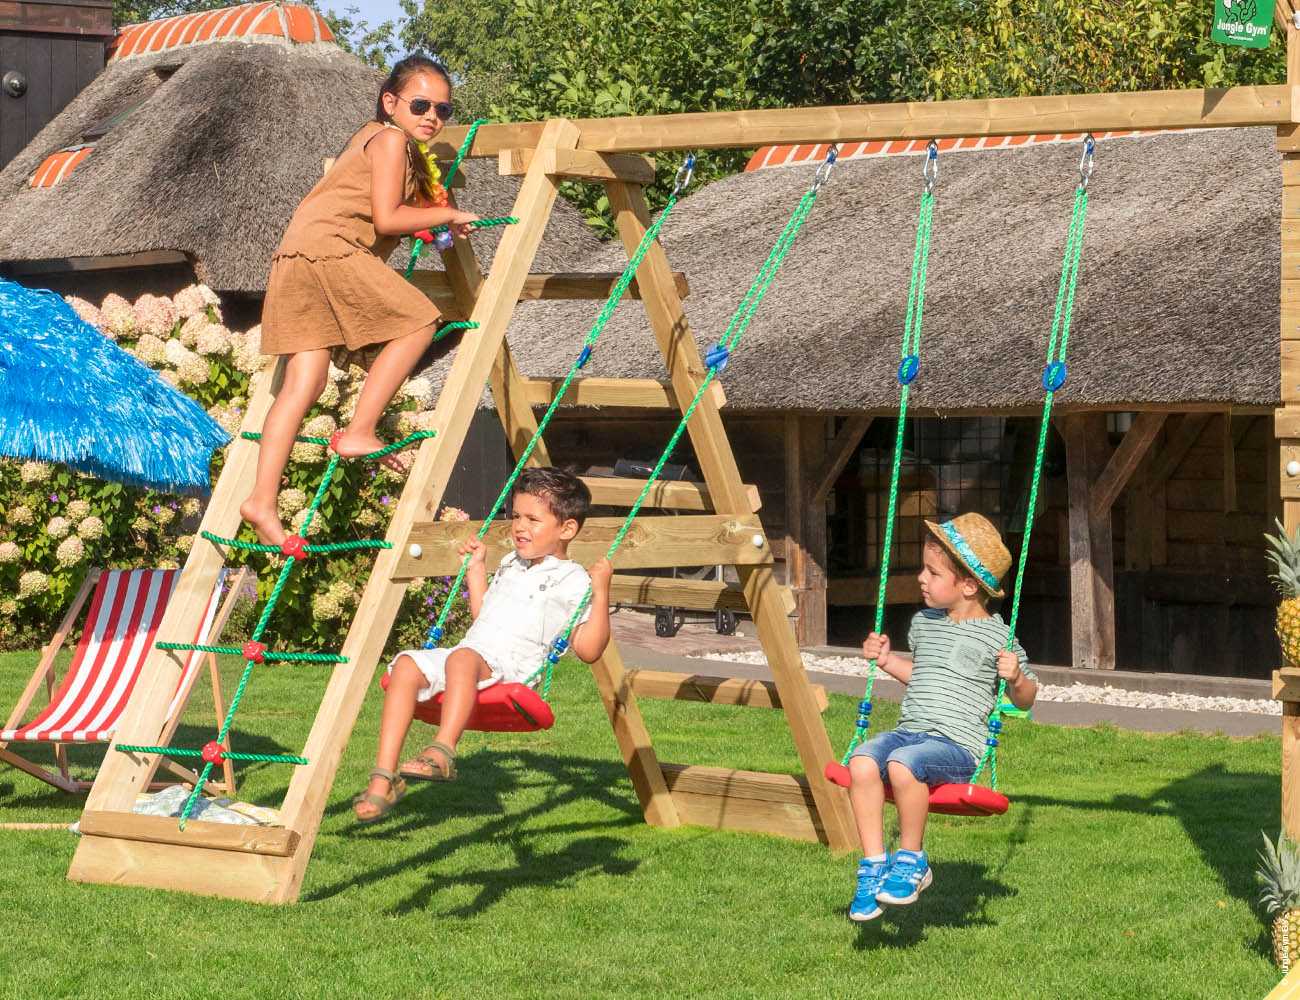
[{"x": 44, "y": 676}]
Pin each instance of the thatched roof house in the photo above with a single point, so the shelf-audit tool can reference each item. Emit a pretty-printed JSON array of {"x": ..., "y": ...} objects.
[
  {"x": 1177, "y": 303},
  {"x": 198, "y": 141}
]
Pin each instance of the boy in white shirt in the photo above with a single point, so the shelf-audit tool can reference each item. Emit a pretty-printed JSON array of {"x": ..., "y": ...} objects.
[{"x": 516, "y": 620}]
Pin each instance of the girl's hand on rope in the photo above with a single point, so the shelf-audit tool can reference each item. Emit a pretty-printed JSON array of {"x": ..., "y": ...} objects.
[
  {"x": 876, "y": 647},
  {"x": 459, "y": 223},
  {"x": 1009, "y": 667},
  {"x": 600, "y": 574}
]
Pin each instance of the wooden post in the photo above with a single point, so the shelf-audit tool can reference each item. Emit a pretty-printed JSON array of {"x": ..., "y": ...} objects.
[
  {"x": 1092, "y": 596},
  {"x": 1286, "y": 421},
  {"x": 805, "y": 519}
]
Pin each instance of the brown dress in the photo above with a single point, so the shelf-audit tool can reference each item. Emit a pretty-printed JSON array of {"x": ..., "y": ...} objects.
[{"x": 330, "y": 283}]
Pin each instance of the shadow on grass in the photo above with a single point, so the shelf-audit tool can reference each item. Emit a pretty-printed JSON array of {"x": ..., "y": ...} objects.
[
  {"x": 487, "y": 779},
  {"x": 967, "y": 888}
]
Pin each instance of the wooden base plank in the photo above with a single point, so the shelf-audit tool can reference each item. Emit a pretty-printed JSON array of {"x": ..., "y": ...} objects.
[
  {"x": 715, "y": 690},
  {"x": 748, "y": 801},
  {"x": 270, "y": 840}
]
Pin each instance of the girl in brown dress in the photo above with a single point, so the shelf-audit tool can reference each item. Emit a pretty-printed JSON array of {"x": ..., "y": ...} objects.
[{"x": 330, "y": 283}]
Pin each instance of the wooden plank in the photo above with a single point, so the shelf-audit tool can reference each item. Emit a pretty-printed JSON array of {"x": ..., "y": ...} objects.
[
  {"x": 1176, "y": 109},
  {"x": 567, "y": 285},
  {"x": 1132, "y": 449},
  {"x": 718, "y": 464},
  {"x": 749, "y": 801},
  {"x": 1288, "y": 485},
  {"x": 84, "y": 19},
  {"x": 652, "y": 542},
  {"x": 272, "y": 840},
  {"x": 1286, "y": 422},
  {"x": 1092, "y": 596},
  {"x": 715, "y": 690},
  {"x": 861, "y": 591},
  {"x": 613, "y": 491},
  {"x": 1286, "y": 684},
  {"x": 806, "y": 526},
  {"x": 1291, "y": 768},
  {"x": 254, "y": 878},
  {"x": 697, "y": 595},
  {"x": 838, "y": 453},
  {"x": 632, "y": 393},
  {"x": 582, "y": 164}
]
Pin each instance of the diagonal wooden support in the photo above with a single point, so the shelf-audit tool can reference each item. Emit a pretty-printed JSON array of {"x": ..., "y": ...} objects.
[
  {"x": 718, "y": 464},
  {"x": 1128, "y": 456}
]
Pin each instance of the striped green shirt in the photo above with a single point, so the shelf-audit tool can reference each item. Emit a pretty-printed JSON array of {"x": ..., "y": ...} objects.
[{"x": 955, "y": 676}]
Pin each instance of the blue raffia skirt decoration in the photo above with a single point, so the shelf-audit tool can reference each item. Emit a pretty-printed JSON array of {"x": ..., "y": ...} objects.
[{"x": 68, "y": 394}]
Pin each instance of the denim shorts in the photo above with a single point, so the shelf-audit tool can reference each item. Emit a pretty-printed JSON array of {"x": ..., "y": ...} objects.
[{"x": 936, "y": 760}]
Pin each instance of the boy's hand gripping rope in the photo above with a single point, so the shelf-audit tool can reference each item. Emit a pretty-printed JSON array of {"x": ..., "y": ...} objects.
[
  {"x": 908, "y": 367},
  {"x": 716, "y": 360}
]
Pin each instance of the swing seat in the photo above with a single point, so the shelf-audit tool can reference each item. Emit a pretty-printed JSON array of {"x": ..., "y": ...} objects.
[
  {"x": 501, "y": 708},
  {"x": 948, "y": 800}
]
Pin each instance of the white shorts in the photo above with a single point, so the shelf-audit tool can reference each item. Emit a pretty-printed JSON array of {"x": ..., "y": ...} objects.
[{"x": 433, "y": 665}]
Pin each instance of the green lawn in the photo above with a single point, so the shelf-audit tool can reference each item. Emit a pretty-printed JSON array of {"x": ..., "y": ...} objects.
[{"x": 1123, "y": 870}]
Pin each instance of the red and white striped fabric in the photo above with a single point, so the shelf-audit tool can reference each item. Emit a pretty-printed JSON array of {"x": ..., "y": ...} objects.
[{"x": 125, "y": 612}]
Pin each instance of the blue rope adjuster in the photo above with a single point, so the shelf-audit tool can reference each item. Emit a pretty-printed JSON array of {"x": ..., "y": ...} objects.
[
  {"x": 995, "y": 725},
  {"x": 718, "y": 356},
  {"x": 561, "y": 644},
  {"x": 435, "y": 636},
  {"x": 1054, "y": 376},
  {"x": 584, "y": 355},
  {"x": 907, "y": 369}
]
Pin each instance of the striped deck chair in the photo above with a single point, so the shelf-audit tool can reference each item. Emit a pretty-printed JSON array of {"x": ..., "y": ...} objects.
[{"x": 125, "y": 611}]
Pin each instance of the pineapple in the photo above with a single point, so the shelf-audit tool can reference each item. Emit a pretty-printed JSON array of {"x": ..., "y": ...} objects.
[
  {"x": 1284, "y": 554},
  {"x": 1279, "y": 874}
]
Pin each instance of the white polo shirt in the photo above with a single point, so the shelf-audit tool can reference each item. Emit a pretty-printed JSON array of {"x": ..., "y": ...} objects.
[{"x": 524, "y": 611}]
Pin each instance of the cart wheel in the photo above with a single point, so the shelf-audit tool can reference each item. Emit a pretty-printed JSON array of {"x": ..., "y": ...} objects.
[
  {"x": 726, "y": 623},
  {"x": 666, "y": 622}
]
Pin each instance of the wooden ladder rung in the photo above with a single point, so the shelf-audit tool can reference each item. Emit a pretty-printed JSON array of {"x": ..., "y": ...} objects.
[
  {"x": 633, "y": 393},
  {"x": 570, "y": 285},
  {"x": 715, "y": 690}
]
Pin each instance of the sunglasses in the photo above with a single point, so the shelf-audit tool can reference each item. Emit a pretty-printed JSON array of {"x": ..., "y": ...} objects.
[{"x": 421, "y": 105}]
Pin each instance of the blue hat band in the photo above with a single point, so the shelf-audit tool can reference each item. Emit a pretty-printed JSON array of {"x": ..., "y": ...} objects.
[{"x": 968, "y": 556}]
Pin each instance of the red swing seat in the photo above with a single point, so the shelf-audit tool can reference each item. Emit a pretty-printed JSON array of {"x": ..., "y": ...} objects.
[
  {"x": 948, "y": 800},
  {"x": 501, "y": 708}
]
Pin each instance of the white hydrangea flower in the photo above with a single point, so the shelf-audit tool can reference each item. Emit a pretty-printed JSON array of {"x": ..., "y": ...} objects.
[
  {"x": 85, "y": 310},
  {"x": 34, "y": 472},
  {"x": 190, "y": 302},
  {"x": 142, "y": 526},
  {"x": 321, "y": 426},
  {"x": 340, "y": 590},
  {"x": 22, "y": 515},
  {"x": 329, "y": 399},
  {"x": 306, "y": 453},
  {"x": 154, "y": 314},
  {"x": 58, "y": 527},
  {"x": 417, "y": 388},
  {"x": 10, "y": 552},
  {"x": 191, "y": 507},
  {"x": 163, "y": 514},
  {"x": 291, "y": 501},
  {"x": 70, "y": 551},
  {"x": 215, "y": 339},
  {"x": 168, "y": 564},
  {"x": 176, "y": 353},
  {"x": 8, "y": 607},
  {"x": 91, "y": 528},
  {"x": 300, "y": 518},
  {"x": 405, "y": 423},
  {"x": 151, "y": 350},
  {"x": 325, "y": 607},
  {"x": 209, "y": 296},
  {"x": 33, "y": 582},
  {"x": 171, "y": 378},
  {"x": 118, "y": 316},
  {"x": 335, "y": 374},
  {"x": 77, "y": 509},
  {"x": 367, "y": 517},
  {"x": 184, "y": 543},
  {"x": 195, "y": 371},
  {"x": 226, "y": 418},
  {"x": 192, "y": 329}
]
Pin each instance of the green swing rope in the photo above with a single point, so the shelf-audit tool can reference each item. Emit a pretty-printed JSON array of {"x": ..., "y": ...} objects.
[
  {"x": 716, "y": 359},
  {"x": 438, "y": 629}
]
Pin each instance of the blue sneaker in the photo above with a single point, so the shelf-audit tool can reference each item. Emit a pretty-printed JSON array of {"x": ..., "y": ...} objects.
[
  {"x": 908, "y": 876},
  {"x": 870, "y": 878}
]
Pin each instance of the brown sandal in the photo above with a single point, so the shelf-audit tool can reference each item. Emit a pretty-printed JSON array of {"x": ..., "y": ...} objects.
[
  {"x": 440, "y": 773},
  {"x": 384, "y": 803}
]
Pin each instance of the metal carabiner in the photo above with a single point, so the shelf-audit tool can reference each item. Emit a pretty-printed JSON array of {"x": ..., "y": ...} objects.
[
  {"x": 930, "y": 169},
  {"x": 684, "y": 174},
  {"x": 1086, "y": 161},
  {"x": 824, "y": 171}
]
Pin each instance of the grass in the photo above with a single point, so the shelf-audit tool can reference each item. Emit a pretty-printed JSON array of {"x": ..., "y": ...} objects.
[{"x": 1125, "y": 869}]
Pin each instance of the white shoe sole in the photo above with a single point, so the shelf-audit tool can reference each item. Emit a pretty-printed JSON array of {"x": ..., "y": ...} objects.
[
  {"x": 858, "y": 918},
  {"x": 926, "y": 879}
]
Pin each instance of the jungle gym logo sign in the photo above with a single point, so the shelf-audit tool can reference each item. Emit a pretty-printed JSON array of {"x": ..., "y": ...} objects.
[{"x": 1242, "y": 22}]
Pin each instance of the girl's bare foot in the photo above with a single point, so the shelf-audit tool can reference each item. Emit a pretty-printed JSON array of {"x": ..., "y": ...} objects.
[
  {"x": 352, "y": 444},
  {"x": 265, "y": 521}
]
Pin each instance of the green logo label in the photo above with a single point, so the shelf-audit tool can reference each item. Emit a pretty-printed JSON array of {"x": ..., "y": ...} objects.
[{"x": 1242, "y": 22}]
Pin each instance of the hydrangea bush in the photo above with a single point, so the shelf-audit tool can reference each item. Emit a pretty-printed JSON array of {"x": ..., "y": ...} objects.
[{"x": 59, "y": 522}]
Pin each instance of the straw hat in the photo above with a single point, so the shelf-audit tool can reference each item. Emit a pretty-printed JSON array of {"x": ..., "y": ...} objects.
[{"x": 975, "y": 544}]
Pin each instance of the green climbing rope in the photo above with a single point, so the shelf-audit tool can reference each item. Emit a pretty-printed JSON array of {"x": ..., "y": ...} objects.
[
  {"x": 467, "y": 143},
  {"x": 437, "y": 629},
  {"x": 267, "y": 758},
  {"x": 716, "y": 359},
  {"x": 448, "y": 328},
  {"x": 268, "y": 656}
]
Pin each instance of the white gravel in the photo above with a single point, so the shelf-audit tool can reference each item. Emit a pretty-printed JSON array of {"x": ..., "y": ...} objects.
[{"x": 1094, "y": 693}]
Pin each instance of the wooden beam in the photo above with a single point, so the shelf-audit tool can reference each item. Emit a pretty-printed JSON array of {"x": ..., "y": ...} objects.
[
  {"x": 1170, "y": 109},
  {"x": 1291, "y": 769},
  {"x": 838, "y": 453},
  {"x": 697, "y": 595},
  {"x": 751, "y": 801},
  {"x": 805, "y": 525},
  {"x": 567, "y": 285},
  {"x": 1181, "y": 441},
  {"x": 1132, "y": 449},
  {"x": 652, "y": 542},
  {"x": 611, "y": 491},
  {"x": 1092, "y": 597},
  {"x": 715, "y": 690},
  {"x": 582, "y": 164},
  {"x": 1229, "y": 464},
  {"x": 632, "y": 393},
  {"x": 272, "y": 840}
]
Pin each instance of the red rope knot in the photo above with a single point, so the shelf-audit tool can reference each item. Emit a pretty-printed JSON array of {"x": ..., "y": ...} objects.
[
  {"x": 334, "y": 441},
  {"x": 214, "y": 752},
  {"x": 254, "y": 651},
  {"x": 294, "y": 545}
]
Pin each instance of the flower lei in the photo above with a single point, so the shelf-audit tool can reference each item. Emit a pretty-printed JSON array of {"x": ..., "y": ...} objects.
[{"x": 439, "y": 192}]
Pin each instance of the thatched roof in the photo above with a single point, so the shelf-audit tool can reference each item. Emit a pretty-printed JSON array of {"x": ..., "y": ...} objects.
[
  {"x": 1177, "y": 303},
  {"x": 216, "y": 161}
]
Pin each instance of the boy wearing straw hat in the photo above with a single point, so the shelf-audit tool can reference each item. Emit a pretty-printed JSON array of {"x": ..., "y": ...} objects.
[{"x": 959, "y": 653}]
